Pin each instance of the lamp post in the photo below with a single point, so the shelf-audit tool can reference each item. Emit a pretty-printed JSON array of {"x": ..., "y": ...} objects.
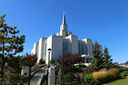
[{"x": 49, "y": 50}]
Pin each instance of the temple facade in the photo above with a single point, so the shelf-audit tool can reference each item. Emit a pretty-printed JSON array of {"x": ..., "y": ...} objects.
[{"x": 62, "y": 43}]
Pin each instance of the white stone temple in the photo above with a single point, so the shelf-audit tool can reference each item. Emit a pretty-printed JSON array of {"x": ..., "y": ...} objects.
[{"x": 62, "y": 43}]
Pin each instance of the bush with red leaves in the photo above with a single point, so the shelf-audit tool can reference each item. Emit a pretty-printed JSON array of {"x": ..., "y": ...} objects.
[
  {"x": 31, "y": 60},
  {"x": 67, "y": 61}
]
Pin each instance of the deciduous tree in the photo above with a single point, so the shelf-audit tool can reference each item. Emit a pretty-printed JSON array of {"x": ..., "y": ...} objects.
[
  {"x": 67, "y": 61},
  {"x": 30, "y": 61}
]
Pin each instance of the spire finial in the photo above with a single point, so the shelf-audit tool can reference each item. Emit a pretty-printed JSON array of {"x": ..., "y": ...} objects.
[{"x": 64, "y": 20}]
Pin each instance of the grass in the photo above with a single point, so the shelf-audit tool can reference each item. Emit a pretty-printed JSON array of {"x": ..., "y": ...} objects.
[{"x": 119, "y": 82}]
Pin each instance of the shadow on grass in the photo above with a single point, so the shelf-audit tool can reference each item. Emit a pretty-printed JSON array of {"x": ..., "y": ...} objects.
[{"x": 120, "y": 79}]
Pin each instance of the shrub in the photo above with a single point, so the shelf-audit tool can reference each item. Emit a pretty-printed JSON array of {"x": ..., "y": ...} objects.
[
  {"x": 52, "y": 61},
  {"x": 123, "y": 74},
  {"x": 69, "y": 79},
  {"x": 101, "y": 76},
  {"x": 33, "y": 68},
  {"x": 78, "y": 68},
  {"x": 104, "y": 75},
  {"x": 113, "y": 73},
  {"x": 41, "y": 61},
  {"x": 88, "y": 79}
]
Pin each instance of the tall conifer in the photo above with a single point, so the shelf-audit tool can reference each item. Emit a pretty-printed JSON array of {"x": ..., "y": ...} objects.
[
  {"x": 10, "y": 43},
  {"x": 107, "y": 61},
  {"x": 98, "y": 57}
]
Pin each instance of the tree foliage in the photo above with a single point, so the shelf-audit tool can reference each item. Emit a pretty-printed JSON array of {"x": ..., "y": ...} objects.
[
  {"x": 107, "y": 61},
  {"x": 41, "y": 61},
  {"x": 70, "y": 79},
  {"x": 52, "y": 61},
  {"x": 67, "y": 61},
  {"x": 78, "y": 68},
  {"x": 59, "y": 77},
  {"x": 101, "y": 60},
  {"x": 10, "y": 43},
  {"x": 16, "y": 63},
  {"x": 88, "y": 79},
  {"x": 98, "y": 57},
  {"x": 31, "y": 60}
]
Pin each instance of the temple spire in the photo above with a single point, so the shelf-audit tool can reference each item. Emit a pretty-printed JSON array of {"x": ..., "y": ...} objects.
[
  {"x": 64, "y": 27},
  {"x": 64, "y": 20}
]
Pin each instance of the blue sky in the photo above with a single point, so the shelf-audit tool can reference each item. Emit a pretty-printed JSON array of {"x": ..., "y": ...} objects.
[{"x": 105, "y": 21}]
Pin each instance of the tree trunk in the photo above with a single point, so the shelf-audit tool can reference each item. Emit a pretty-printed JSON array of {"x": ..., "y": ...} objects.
[
  {"x": 29, "y": 75},
  {"x": 2, "y": 67}
]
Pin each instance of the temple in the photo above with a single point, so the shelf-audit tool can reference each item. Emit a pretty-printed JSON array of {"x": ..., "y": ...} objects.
[{"x": 62, "y": 43}]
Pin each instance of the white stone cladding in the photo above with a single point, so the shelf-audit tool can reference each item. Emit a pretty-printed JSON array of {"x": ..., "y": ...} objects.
[
  {"x": 62, "y": 43},
  {"x": 35, "y": 49},
  {"x": 49, "y": 45},
  {"x": 89, "y": 45},
  {"x": 57, "y": 47},
  {"x": 41, "y": 49},
  {"x": 74, "y": 44}
]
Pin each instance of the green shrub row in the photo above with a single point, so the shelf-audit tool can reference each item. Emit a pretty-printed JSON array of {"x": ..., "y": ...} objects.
[{"x": 123, "y": 74}]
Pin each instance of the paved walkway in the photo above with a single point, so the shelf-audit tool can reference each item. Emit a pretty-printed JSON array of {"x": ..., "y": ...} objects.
[{"x": 36, "y": 80}]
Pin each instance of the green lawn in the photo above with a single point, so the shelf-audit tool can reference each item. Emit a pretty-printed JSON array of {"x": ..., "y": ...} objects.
[{"x": 119, "y": 82}]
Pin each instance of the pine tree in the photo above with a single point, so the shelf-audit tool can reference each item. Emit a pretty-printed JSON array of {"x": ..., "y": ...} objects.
[
  {"x": 98, "y": 58},
  {"x": 10, "y": 44},
  {"x": 107, "y": 61}
]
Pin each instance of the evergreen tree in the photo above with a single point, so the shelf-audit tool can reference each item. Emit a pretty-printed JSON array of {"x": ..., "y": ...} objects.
[
  {"x": 52, "y": 61},
  {"x": 10, "y": 44},
  {"x": 98, "y": 57},
  {"x": 41, "y": 61},
  {"x": 107, "y": 61},
  {"x": 70, "y": 79}
]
